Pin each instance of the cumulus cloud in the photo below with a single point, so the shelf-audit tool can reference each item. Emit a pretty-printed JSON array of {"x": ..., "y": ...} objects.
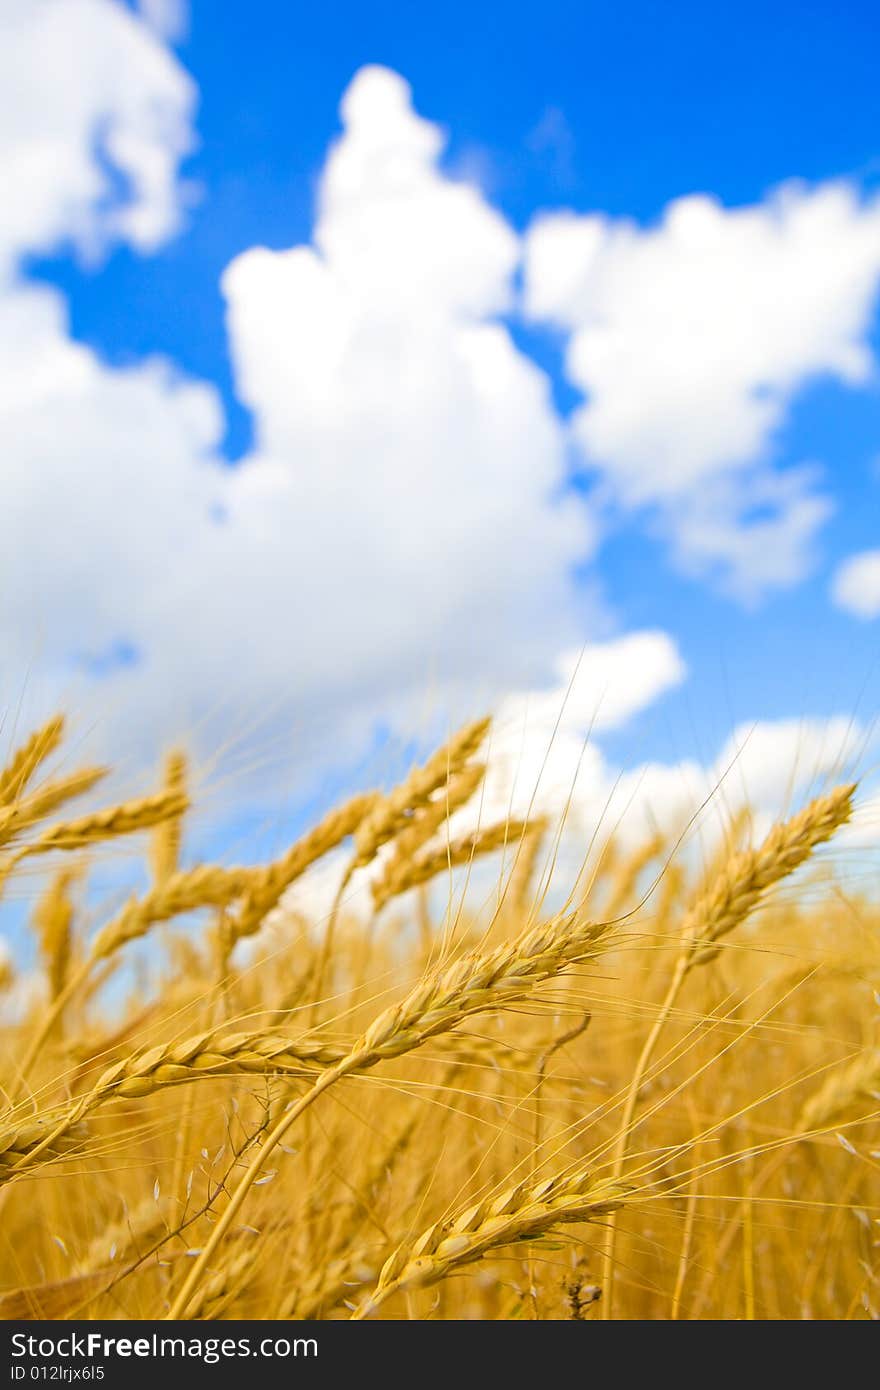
[
  {"x": 399, "y": 526},
  {"x": 690, "y": 340},
  {"x": 169, "y": 18},
  {"x": 547, "y": 751},
  {"x": 541, "y": 737},
  {"x": 95, "y": 116},
  {"x": 856, "y": 585}
]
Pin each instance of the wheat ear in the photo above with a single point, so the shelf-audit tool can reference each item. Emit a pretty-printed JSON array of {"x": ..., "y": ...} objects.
[
  {"x": 438, "y": 1003},
  {"x": 408, "y": 808},
  {"x": 25, "y": 813},
  {"x": 403, "y": 874},
  {"x": 187, "y": 890},
  {"x": 524, "y": 1211},
  {"x": 166, "y": 838},
  {"x": 206, "y": 1054},
  {"x": 268, "y": 885},
  {"x": 125, "y": 819},
  {"x": 426, "y": 822},
  {"x": 53, "y": 919},
  {"x": 736, "y": 893},
  {"x": 393, "y": 813},
  {"x": 26, "y": 759},
  {"x": 205, "y": 886}
]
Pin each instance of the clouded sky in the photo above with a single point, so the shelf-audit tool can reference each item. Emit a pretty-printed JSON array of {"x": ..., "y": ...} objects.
[{"x": 365, "y": 366}]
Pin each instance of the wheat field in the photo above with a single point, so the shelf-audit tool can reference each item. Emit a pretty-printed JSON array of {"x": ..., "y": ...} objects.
[{"x": 649, "y": 1093}]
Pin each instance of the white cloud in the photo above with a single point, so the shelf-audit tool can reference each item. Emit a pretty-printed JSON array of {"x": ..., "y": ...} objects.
[
  {"x": 81, "y": 79},
  {"x": 398, "y": 523},
  {"x": 540, "y": 737},
  {"x": 547, "y": 752},
  {"x": 691, "y": 339},
  {"x": 400, "y": 527},
  {"x": 169, "y": 18},
  {"x": 856, "y": 585}
]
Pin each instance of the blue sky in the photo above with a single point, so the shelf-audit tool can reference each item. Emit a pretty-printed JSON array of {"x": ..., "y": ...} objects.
[{"x": 612, "y": 112}]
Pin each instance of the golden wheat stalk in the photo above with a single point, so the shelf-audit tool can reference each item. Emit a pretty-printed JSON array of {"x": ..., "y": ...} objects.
[
  {"x": 268, "y": 885},
  {"x": 209, "y": 1053},
  {"x": 520, "y": 896},
  {"x": 166, "y": 838},
  {"x": 438, "y": 1003},
  {"x": 401, "y": 875},
  {"x": 525, "y": 1211},
  {"x": 207, "y": 885},
  {"x": 748, "y": 875},
  {"x": 142, "y": 1074},
  {"x": 26, "y": 813},
  {"x": 627, "y": 874},
  {"x": 426, "y": 822},
  {"x": 127, "y": 818},
  {"x": 229, "y": 1280},
  {"x": 27, "y": 759},
  {"x": 737, "y": 891},
  {"x": 393, "y": 813},
  {"x": 52, "y": 920},
  {"x": 408, "y": 810}
]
